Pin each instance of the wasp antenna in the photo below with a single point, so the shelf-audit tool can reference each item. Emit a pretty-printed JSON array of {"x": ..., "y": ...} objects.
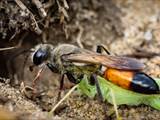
[{"x": 38, "y": 75}]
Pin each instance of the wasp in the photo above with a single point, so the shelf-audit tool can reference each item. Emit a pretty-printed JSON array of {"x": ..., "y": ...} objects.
[{"x": 75, "y": 62}]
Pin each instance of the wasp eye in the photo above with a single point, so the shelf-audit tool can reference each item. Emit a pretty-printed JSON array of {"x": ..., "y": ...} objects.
[{"x": 39, "y": 57}]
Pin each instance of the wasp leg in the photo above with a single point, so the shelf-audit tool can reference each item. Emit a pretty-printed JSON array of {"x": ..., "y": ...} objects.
[
  {"x": 100, "y": 96},
  {"x": 52, "y": 68},
  {"x": 93, "y": 78},
  {"x": 61, "y": 79},
  {"x": 100, "y": 48},
  {"x": 71, "y": 78}
]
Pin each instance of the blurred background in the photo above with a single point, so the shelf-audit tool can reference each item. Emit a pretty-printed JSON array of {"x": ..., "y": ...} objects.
[{"x": 125, "y": 27}]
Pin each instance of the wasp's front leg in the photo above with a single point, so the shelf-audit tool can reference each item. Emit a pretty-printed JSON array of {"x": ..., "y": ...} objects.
[
  {"x": 70, "y": 77},
  {"x": 54, "y": 69},
  {"x": 61, "y": 79}
]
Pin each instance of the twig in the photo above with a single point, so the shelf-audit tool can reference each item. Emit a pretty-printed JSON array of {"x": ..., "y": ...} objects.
[
  {"x": 40, "y": 8},
  {"x": 49, "y": 4},
  {"x": 65, "y": 4},
  {"x": 62, "y": 11},
  {"x": 23, "y": 7},
  {"x": 16, "y": 32},
  {"x": 10, "y": 48},
  {"x": 79, "y": 37},
  {"x": 7, "y": 48},
  {"x": 69, "y": 92}
]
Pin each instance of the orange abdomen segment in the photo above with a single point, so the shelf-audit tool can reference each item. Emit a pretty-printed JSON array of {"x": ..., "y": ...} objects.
[{"x": 120, "y": 78}]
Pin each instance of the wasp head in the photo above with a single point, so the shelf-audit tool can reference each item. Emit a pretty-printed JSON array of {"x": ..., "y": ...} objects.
[{"x": 41, "y": 53}]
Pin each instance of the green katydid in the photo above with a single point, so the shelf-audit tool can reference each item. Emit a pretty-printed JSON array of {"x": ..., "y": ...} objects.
[{"x": 122, "y": 96}]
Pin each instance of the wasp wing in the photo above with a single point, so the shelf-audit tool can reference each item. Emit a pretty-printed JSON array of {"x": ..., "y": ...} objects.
[{"x": 116, "y": 62}]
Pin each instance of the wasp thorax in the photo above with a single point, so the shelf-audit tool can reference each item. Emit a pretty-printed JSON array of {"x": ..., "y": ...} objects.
[{"x": 41, "y": 53}]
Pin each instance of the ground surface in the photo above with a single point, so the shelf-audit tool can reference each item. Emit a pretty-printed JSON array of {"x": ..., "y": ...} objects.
[{"x": 126, "y": 27}]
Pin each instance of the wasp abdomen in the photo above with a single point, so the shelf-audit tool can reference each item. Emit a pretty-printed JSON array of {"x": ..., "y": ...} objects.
[
  {"x": 131, "y": 80},
  {"x": 142, "y": 83}
]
